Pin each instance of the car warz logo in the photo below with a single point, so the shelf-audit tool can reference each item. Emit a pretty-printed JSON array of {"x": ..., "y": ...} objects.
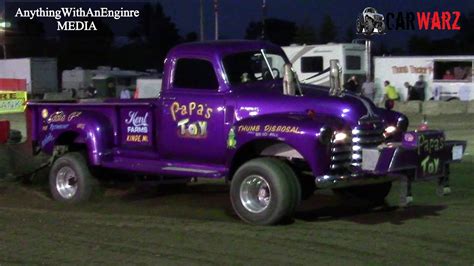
[{"x": 371, "y": 22}]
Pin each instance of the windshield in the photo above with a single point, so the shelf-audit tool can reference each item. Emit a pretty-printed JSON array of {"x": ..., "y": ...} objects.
[{"x": 248, "y": 67}]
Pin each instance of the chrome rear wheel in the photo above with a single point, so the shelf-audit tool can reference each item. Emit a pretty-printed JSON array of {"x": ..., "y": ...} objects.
[
  {"x": 66, "y": 182},
  {"x": 70, "y": 179}
]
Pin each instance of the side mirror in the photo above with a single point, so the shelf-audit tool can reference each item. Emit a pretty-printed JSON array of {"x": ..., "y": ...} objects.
[
  {"x": 335, "y": 71},
  {"x": 289, "y": 86}
]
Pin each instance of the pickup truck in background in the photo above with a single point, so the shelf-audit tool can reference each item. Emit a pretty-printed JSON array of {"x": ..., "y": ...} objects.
[{"x": 235, "y": 110}]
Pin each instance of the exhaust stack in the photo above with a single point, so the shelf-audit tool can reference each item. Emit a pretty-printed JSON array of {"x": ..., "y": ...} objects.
[
  {"x": 335, "y": 78},
  {"x": 289, "y": 84}
]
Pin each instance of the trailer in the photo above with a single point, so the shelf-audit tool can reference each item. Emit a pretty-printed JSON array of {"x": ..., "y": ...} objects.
[
  {"x": 109, "y": 81},
  {"x": 447, "y": 77},
  {"x": 40, "y": 73},
  {"x": 148, "y": 87},
  {"x": 77, "y": 78},
  {"x": 310, "y": 61}
]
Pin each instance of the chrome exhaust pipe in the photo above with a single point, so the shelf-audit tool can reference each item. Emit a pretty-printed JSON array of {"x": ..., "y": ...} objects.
[{"x": 335, "y": 78}]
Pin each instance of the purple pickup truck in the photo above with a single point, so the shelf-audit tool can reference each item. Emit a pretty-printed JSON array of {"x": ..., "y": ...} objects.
[{"x": 236, "y": 110}]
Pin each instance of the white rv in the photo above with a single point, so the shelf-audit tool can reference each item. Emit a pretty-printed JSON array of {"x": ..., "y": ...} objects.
[
  {"x": 310, "y": 60},
  {"x": 447, "y": 77}
]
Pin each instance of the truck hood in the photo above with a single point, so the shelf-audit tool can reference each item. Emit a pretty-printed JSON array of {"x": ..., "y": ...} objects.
[{"x": 268, "y": 98}]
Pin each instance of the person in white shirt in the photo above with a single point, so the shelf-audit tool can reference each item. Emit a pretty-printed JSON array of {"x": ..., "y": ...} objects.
[
  {"x": 368, "y": 90},
  {"x": 125, "y": 94}
]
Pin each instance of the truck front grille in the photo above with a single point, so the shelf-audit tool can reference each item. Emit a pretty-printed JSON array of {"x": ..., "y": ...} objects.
[
  {"x": 365, "y": 136},
  {"x": 349, "y": 154},
  {"x": 341, "y": 155}
]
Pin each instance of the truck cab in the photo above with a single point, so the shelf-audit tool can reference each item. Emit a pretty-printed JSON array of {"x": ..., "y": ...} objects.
[{"x": 236, "y": 110}]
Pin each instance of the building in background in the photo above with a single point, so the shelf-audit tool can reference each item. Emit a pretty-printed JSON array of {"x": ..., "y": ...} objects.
[{"x": 434, "y": 69}]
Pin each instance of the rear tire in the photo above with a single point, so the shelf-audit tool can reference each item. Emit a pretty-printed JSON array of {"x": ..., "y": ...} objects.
[
  {"x": 265, "y": 191},
  {"x": 374, "y": 194},
  {"x": 70, "y": 179}
]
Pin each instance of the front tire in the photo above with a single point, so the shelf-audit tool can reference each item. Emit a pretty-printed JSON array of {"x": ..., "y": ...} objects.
[
  {"x": 265, "y": 191},
  {"x": 70, "y": 179}
]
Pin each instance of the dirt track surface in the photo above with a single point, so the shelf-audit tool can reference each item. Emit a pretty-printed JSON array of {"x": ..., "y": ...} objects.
[{"x": 196, "y": 225}]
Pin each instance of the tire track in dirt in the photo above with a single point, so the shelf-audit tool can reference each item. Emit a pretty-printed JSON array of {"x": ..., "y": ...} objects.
[{"x": 294, "y": 244}]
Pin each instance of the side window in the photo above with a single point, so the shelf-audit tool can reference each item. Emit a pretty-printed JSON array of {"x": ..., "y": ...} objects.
[
  {"x": 353, "y": 62},
  {"x": 195, "y": 74},
  {"x": 310, "y": 64},
  {"x": 452, "y": 70}
]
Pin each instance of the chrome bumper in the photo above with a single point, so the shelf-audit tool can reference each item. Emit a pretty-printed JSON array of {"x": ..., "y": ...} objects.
[{"x": 338, "y": 181}]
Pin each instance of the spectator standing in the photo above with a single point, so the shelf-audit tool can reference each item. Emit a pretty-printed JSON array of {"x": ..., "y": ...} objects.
[
  {"x": 390, "y": 95},
  {"x": 412, "y": 93},
  {"x": 352, "y": 85},
  {"x": 420, "y": 87},
  {"x": 125, "y": 94},
  {"x": 368, "y": 90},
  {"x": 91, "y": 92}
]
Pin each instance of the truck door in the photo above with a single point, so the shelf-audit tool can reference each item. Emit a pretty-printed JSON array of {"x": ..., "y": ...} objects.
[{"x": 192, "y": 122}]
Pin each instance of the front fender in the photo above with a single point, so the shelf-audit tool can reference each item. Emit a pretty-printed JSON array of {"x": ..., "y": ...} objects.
[
  {"x": 299, "y": 131},
  {"x": 84, "y": 127}
]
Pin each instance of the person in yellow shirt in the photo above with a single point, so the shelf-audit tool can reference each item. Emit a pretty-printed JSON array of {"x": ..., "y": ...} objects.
[{"x": 390, "y": 95}]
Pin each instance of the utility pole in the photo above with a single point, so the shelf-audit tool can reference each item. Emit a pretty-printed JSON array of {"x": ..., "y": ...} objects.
[
  {"x": 201, "y": 22},
  {"x": 368, "y": 49},
  {"x": 216, "y": 19},
  {"x": 264, "y": 15}
]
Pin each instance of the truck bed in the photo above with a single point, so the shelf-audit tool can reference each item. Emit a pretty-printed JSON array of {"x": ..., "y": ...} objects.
[{"x": 125, "y": 124}]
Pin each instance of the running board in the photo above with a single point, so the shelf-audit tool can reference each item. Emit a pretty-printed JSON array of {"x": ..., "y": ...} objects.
[
  {"x": 183, "y": 169},
  {"x": 159, "y": 167}
]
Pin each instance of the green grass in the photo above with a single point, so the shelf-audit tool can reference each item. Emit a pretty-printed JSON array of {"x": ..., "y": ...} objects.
[{"x": 197, "y": 226}]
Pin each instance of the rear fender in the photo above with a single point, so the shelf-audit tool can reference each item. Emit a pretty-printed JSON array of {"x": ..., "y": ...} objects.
[{"x": 89, "y": 128}]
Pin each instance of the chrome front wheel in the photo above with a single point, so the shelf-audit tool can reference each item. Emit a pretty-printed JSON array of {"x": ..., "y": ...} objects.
[
  {"x": 265, "y": 191},
  {"x": 255, "y": 193}
]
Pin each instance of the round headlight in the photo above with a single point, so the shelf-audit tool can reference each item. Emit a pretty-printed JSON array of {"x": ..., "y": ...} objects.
[
  {"x": 340, "y": 137},
  {"x": 390, "y": 129}
]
